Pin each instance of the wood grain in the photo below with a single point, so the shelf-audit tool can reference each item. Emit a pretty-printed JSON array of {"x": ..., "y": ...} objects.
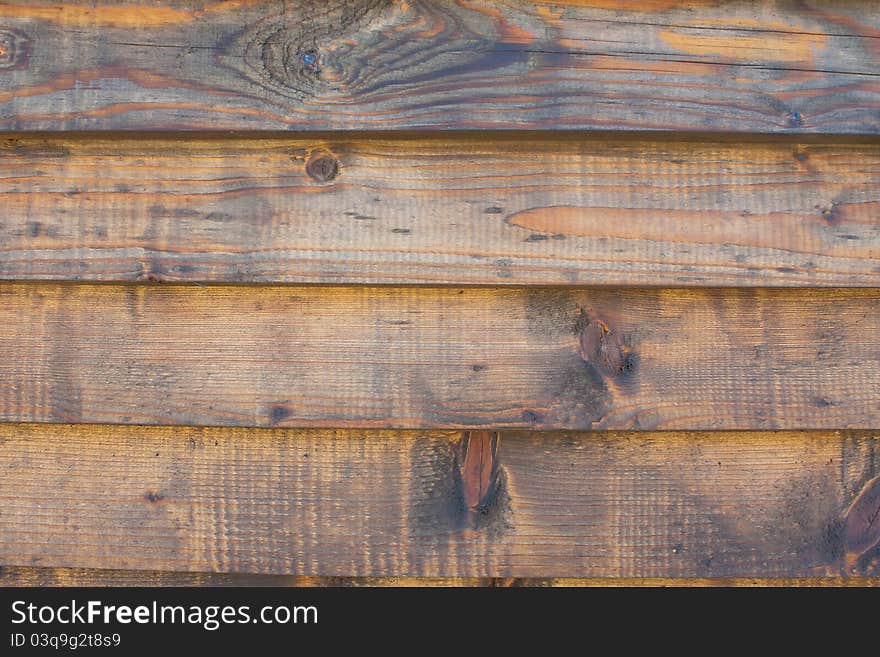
[
  {"x": 446, "y": 210},
  {"x": 26, "y": 576},
  {"x": 440, "y": 357},
  {"x": 343, "y": 503},
  {"x": 744, "y": 65}
]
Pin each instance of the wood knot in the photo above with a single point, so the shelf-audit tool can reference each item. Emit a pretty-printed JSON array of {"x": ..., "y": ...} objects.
[
  {"x": 795, "y": 120},
  {"x": 306, "y": 49},
  {"x": 861, "y": 529},
  {"x": 279, "y": 412},
  {"x": 154, "y": 496},
  {"x": 603, "y": 348},
  {"x": 285, "y": 65},
  {"x": 323, "y": 167},
  {"x": 479, "y": 470},
  {"x": 15, "y": 48},
  {"x": 831, "y": 213},
  {"x": 532, "y": 417}
]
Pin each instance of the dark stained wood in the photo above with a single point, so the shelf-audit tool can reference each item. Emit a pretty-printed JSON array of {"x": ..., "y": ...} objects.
[
  {"x": 744, "y": 65},
  {"x": 862, "y": 528},
  {"x": 23, "y": 576},
  {"x": 444, "y": 210},
  {"x": 646, "y": 217},
  {"x": 343, "y": 503},
  {"x": 440, "y": 357},
  {"x": 29, "y": 576}
]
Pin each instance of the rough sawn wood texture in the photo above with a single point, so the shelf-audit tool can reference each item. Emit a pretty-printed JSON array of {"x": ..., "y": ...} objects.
[
  {"x": 741, "y": 66},
  {"x": 444, "y": 210},
  {"x": 458, "y": 292},
  {"x": 440, "y": 357},
  {"x": 343, "y": 503}
]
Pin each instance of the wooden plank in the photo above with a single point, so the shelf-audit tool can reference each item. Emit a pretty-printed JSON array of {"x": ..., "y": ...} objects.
[
  {"x": 26, "y": 576},
  {"x": 444, "y": 210},
  {"x": 744, "y": 65},
  {"x": 343, "y": 503},
  {"x": 440, "y": 357}
]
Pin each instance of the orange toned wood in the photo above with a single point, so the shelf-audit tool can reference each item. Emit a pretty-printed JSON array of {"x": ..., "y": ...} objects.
[
  {"x": 452, "y": 210},
  {"x": 19, "y": 576},
  {"x": 380, "y": 504},
  {"x": 440, "y": 358},
  {"x": 479, "y": 470},
  {"x": 745, "y": 66}
]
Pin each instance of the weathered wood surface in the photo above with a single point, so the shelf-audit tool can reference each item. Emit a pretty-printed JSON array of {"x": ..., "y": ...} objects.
[
  {"x": 444, "y": 210},
  {"x": 24, "y": 576},
  {"x": 440, "y": 357},
  {"x": 745, "y": 65},
  {"x": 342, "y": 503}
]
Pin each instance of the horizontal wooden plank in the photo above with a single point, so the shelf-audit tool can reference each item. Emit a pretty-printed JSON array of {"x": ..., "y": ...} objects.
[
  {"x": 440, "y": 357},
  {"x": 27, "y": 576},
  {"x": 379, "y": 504},
  {"x": 444, "y": 210},
  {"x": 744, "y": 65}
]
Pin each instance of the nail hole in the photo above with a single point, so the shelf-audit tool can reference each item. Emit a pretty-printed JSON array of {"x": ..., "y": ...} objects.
[{"x": 310, "y": 58}]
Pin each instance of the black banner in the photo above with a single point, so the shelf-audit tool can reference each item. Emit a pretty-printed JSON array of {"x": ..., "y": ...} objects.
[{"x": 127, "y": 621}]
